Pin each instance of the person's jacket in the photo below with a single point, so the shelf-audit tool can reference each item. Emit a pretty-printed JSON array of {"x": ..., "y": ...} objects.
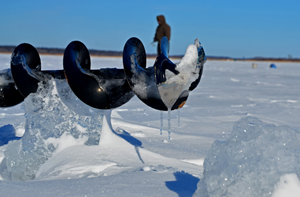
[{"x": 162, "y": 30}]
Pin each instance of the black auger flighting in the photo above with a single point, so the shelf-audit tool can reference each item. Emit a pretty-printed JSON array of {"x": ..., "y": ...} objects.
[{"x": 105, "y": 88}]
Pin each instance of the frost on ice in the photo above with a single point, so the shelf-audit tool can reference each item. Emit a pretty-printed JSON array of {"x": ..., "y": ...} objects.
[
  {"x": 252, "y": 161},
  {"x": 55, "y": 119}
]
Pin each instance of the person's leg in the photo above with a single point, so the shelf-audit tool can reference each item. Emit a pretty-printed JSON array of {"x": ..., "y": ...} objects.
[{"x": 158, "y": 49}]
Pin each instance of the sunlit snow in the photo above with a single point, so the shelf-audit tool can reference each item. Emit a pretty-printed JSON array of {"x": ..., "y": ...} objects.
[{"x": 131, "y": 158}]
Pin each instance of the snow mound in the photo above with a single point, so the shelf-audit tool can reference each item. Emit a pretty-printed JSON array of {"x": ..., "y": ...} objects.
[
  {"x": 114, "y": 155},
  {"x": 289, "y": 185},
  {"x": 252, "y": 162},
  {"x": 55, "y": 120}
]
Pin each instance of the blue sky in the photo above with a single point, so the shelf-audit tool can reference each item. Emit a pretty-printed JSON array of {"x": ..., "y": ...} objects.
[{"x": 235, "y": 28}]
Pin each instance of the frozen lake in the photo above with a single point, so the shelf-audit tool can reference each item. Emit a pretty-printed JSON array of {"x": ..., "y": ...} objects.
[{"x": 228, "y": 91}]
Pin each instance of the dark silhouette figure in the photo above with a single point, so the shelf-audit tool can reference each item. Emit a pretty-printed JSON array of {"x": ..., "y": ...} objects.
[{"x": 162, "y": 30}]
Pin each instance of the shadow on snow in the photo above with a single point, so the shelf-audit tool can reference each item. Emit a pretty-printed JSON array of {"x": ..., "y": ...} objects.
[
  {"x": 7, "y": 133},
  {"x": 185, "y": 184},
  {"x": 131, "y": 140}
]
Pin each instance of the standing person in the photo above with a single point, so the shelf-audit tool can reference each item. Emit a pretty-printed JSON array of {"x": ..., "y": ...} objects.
[{"x": 162, "y": 30}]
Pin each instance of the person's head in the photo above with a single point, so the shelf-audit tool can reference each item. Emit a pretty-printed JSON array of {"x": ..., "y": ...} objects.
[{"x": 160, "y": 19}]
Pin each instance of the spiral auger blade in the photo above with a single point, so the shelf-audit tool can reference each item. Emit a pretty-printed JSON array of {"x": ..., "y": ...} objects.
[{"x": 101, "y": 89}]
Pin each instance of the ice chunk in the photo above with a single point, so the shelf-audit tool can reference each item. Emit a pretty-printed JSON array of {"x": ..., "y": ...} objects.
[
  {"x": 53, "y": 112},
  {"x": 252, "y": 161},
  {"x": 2, "y": 149}
]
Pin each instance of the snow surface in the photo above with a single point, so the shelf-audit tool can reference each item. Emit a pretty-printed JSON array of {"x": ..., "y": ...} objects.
[{"x": 136, "y": 160}]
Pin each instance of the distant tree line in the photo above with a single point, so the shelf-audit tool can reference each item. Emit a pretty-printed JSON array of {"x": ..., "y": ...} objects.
[
  {"x": 7, "y": 49},
  {"x": 58, "y": 51},
  {"x": 93, "y": 52}
]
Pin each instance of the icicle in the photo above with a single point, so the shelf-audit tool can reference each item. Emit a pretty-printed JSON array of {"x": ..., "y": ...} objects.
[
  {"x": 161, "y": 122},
  {"x": 169, "y": 123},
  {"x": 179, "y": 117}
]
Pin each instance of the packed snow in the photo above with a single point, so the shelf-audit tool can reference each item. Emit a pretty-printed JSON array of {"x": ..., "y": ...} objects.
[{"x": 121, "y": 152}]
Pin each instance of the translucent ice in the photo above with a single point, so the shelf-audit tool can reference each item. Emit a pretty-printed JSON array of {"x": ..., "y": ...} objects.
[
  {"x": 252, "y": 161},
  {"x": 52, "y": 113}
]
